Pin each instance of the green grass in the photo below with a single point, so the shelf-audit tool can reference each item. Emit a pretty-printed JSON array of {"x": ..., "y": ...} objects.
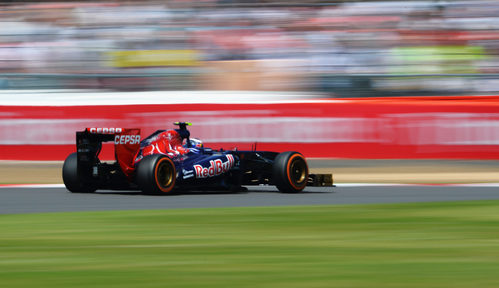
[{"x": 454, "y": 244}]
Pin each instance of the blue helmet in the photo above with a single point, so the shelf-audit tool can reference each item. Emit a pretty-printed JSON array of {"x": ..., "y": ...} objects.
[{"x": 196, "y": 143}]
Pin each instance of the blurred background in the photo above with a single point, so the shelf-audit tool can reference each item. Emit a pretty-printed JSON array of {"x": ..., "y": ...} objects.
[
  {"x": 341, "y": 48},
  {"x": 149, "y": 63}
]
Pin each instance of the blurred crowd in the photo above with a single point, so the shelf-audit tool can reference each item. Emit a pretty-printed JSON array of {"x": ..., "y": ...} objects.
[{"x": 348, "y": 48}]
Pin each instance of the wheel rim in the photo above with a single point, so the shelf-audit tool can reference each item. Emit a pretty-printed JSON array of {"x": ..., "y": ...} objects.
[
  {"x": 298, "y": 171},
  {"x": 165, "y": 174}
]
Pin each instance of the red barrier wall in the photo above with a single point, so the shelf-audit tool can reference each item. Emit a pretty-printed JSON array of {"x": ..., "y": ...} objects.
[{"x": 385, "y": 128}]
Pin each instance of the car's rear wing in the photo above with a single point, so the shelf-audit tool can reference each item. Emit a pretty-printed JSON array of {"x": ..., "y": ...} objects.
[{"x": 126, "y": 145}]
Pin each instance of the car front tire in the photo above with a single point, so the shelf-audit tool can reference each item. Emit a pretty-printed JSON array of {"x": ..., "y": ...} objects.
[{"x": 290, "y": 172}]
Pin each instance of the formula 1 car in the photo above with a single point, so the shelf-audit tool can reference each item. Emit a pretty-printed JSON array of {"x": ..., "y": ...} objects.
[{"x": 169, "y": 160}]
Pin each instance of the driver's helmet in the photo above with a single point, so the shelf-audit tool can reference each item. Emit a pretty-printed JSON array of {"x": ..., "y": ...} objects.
[{"x": 196, "y": 143}]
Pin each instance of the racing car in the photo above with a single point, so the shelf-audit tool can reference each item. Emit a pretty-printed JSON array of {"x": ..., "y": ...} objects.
[{"x": 170, "y": 160}]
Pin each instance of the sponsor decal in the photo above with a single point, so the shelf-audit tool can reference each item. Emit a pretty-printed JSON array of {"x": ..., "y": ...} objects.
[
  {"x": 105, "y": 130},
  {"x": 127, "y": 139},
  {"x": 216, "y": 168},
  {"x": 188, "y": 173}
]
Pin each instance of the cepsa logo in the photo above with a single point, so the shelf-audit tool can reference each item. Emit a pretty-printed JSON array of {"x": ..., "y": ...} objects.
[
  {"x": 105, "y": 130},
  {"x": 216, "y": 168},
  {"x": 127, "y": 139}
]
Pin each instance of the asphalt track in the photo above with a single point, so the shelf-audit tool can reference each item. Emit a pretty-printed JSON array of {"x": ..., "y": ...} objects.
[{"x": 34, "y": 200}]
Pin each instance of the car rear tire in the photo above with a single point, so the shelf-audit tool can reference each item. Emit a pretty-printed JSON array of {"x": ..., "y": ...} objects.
[
  {"x": 156, "y": 174},
  {"x": 75, "y": 180},
  {"x": 290, "y": 172}
]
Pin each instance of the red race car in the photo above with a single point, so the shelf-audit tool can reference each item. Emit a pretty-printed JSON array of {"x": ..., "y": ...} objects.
[{"x": 170, "y": 160}]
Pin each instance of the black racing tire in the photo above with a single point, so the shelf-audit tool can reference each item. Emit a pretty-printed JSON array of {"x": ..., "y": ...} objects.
[
  {"x": 156, "y": 174},
  {"x": 74, "y": 179},
  {"x": 290, "y": 172}
]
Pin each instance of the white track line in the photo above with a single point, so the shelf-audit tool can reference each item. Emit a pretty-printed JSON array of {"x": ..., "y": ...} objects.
[
  {"x": 339, "y": 185},
  {"x": 418, "y": 184},
  {"x": 32, "y": 186}
]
